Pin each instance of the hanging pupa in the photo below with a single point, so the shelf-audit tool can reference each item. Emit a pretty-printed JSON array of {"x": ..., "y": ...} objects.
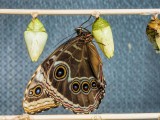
[
  {"x": 153, "y": 32},
  {"x": 102, "y": 33},
  {"x": 35, "y": 37}
]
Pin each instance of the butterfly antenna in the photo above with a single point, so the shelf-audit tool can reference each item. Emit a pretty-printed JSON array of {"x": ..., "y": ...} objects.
[
  {"x": 71, "y": 35},
  {"x": 85, "y": 28},
  {"x": 86, "y": 21},
  {"x": 89, "y": 25}
]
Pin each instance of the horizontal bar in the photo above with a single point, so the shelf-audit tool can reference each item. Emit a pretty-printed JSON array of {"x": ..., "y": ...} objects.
[
  {"x": 131, "y": 116},
  {"x": 80, "y": 11}
]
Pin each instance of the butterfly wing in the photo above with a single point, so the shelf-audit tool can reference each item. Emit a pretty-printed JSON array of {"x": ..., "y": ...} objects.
[
  {"x": 37, "y": 97},
  {"x": 76, "y": 79},
  {"x": 74, "y": 76}
]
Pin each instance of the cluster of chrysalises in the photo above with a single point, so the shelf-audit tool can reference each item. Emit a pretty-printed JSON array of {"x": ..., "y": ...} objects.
[{"x": 36, "y": 37}]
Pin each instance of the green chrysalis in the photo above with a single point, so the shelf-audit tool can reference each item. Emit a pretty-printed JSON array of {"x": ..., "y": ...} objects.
[
  {"x": 35, "y": 37},
  {"x": 102, "y": 33}
]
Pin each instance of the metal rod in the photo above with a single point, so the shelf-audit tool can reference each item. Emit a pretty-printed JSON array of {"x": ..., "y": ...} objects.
[
  {"x": 131, "y": 116},
  {"x": 80, "y": 11}
]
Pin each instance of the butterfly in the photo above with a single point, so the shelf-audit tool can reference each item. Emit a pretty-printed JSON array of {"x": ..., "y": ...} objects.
[
  {"x": 153, "y": 32},
  {"x": 71, "y": 76}
]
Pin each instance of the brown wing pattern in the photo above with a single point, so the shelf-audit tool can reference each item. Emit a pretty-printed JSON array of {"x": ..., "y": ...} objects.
[
  {"x": 75, "y": 91},
  {"x": 37, "y": 97},
  {"x": 34, "y": 103},
  {"x": 72, "y": 76}
]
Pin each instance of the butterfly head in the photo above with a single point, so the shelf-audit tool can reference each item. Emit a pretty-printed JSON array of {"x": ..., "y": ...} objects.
[
  {"x": 37, "y": 97},
  {"x": 84, "y": 33}
]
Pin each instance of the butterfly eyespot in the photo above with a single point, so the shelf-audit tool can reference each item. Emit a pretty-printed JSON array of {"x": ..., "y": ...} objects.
[
  {"x": 94, "y": 84},
  {"x": 60, "y": 72},
  {"x": 75, "y": 86},
  {"x": 30, "y": 92},
  {"x": 85, "y": 86},
  {"x": 37, "y": 91}
]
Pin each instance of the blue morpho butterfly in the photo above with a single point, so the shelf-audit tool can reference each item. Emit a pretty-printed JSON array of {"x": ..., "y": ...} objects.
[{"x": 71, "y": 76}]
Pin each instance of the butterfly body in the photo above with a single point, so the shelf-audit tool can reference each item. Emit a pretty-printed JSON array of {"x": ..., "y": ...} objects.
[{"x": 71, "y": 76}]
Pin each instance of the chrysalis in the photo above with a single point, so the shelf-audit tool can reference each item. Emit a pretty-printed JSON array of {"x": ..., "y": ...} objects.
[
  {"x": 35, "y": 37},
  {"x": 102, "y": 33},
  {"x": 153, "y": 32}
]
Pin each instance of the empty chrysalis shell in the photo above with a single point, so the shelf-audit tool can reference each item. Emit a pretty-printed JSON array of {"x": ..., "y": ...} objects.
[
  {"x": 102, "y": 33},
  {"x": 35, "y": 37},
  {"x": 153, "y": 33}
]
